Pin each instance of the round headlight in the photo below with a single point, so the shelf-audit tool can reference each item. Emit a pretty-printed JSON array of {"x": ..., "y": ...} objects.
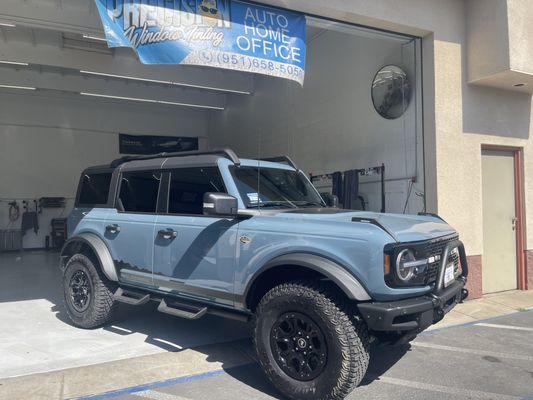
[{"x": 405, "y": 271}]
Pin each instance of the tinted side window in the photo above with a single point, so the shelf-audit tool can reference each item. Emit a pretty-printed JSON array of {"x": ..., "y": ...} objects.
[
  {"x": 94, "y": 189},
  {"x": 139, "y": 191},
  {"x": 188, "y": 186}
]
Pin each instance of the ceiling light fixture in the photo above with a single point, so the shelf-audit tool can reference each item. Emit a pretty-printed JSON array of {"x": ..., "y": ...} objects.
[
  {"x": 174, "y": 103},
  {"x": 90, "y": 37},
  {"x": 117, "y": 97},
  {"x": 17, "y": 87},
  {"x": 106, "y": 96},
  {"x": 164, "y": 82},
  {"x": 125, "y": 77},
  {"x": 14, "y": 63},
  {"x": 7, "y": 25}
]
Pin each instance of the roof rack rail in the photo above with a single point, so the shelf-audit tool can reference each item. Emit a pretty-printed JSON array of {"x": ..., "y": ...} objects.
[
  {"x": 281, "y": 159},
  {"x": 228, "y": 153}
]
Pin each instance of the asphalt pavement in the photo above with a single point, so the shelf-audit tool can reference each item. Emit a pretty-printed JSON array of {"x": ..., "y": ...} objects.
[{"x": 487, "y": 359}]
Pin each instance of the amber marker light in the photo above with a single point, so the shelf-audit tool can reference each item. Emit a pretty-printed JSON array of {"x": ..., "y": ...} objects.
[{"x": 386, "y": 264}]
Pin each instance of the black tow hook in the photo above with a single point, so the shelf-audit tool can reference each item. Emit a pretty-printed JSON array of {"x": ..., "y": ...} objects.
[{"x": 464, "y": 294}]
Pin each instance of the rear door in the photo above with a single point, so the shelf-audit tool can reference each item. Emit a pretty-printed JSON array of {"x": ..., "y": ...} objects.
[
  {"x": 129, "y": 228},
  {"x": 194, "y": 255}
]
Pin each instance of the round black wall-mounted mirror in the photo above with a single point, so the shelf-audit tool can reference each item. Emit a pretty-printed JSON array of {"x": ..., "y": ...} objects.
[{"x": 391, "y": 92}]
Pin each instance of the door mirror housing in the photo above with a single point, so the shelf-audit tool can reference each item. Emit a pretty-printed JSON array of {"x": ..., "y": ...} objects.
[{"x": 220, "y": 204}]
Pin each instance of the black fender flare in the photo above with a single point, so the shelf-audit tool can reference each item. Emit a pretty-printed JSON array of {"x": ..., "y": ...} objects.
[
  {"x": 353, "y": 289},
  {"x": 99, "y": 249}
]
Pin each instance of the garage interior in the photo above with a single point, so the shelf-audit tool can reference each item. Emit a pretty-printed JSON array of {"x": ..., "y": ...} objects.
[{"x": 64, "y": 100}]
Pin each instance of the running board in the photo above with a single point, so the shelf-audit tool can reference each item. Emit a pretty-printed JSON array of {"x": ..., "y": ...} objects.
[
  {"x": 131, "y": 297},
  {"x": 182, "y": 310}
]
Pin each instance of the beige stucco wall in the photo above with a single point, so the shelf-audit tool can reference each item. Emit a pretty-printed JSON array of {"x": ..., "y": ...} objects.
[
  {"x": 499, "y": 45},
  {"x": 458, "y": 117},
  {"x": 488, "y": 38},
  {"x": 520, "y": 17}
]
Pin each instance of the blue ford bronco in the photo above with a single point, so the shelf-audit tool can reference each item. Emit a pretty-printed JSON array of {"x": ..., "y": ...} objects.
[{"x": 208, "y": 233}]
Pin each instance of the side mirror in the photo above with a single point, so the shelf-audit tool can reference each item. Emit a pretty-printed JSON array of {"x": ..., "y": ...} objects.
[
  {"x": 220, "y": 204},
  {"x": 330, "y": 199}
]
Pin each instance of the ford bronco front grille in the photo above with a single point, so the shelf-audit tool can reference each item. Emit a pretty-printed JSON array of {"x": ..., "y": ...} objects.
[{"x": 433, "y": 251}]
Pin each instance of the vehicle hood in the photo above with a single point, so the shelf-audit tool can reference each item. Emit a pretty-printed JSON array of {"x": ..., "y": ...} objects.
[{"x": 403, "y": 228}]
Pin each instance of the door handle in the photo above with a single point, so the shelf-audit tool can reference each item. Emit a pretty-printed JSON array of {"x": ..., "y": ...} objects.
[
  {"x": 112, "y": 228},
  {"x": 168, "y": 233}
]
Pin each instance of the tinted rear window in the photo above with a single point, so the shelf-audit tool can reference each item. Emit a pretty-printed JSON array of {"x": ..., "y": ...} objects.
[{"x": 94, "y": 189}]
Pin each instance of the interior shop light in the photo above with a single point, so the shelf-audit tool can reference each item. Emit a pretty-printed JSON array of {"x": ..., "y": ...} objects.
[
  {"x": 14, "y": 63},
  {"x": 173, "y": 103},
  {"x": 133, "y": 78},
  {"x": 17, "y": 87}
]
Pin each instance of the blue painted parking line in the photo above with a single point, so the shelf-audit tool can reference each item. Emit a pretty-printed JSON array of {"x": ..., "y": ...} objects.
[{"x": 154, "y": 385}]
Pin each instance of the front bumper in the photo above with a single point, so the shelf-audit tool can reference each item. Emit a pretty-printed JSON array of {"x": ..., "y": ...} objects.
[{"x": 416, "y": 314}]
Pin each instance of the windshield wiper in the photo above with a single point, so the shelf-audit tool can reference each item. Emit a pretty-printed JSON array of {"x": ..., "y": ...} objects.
[
  {"x": 309, "y": 204},
  {"x": 275, "y": 204}
]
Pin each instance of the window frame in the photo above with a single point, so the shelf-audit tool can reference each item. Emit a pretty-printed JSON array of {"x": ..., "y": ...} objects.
[
  {"x": 167, "y": 180},
  {"x": 119, "y": 187}
]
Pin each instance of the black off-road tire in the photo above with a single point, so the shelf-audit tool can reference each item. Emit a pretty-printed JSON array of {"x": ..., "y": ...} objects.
[
  {"x": 100, "y": 307},
  {"x": 345, "y": 334}
]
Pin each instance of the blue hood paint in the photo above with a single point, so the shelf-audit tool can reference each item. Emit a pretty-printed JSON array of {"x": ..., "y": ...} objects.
[{"x": 406, "y": 228}]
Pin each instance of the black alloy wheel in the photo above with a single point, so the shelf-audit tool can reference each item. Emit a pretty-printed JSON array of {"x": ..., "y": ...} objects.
[
  {"x": 80, "y": 291},
  {"x": 87, "y": 292},
  {"x": 299, "y": 346}
]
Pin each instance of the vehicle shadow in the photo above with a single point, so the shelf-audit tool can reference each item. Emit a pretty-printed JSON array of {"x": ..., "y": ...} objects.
[
  {"x": 175, "y": 335},
  {"x": 382, "y": 358},
  {"x": 223, "y": 341}
]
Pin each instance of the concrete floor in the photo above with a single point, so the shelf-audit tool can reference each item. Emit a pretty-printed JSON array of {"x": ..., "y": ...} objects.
[
  {"x": 44, "y": 357},
  {"x": 37, "y": 337}
]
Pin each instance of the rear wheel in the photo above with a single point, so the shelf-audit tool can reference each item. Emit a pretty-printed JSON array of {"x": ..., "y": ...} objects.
[
  {"x": 88, "y": 293},
  {"x": 307, "y": 343}
]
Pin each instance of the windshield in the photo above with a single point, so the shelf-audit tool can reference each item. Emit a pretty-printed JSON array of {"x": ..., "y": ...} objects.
[{"x": 273, "y": 187}]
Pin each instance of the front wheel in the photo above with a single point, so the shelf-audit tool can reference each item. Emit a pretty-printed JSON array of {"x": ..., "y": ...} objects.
[
  {"x": 307, "y": 344},
  {"x": 88, "y": 293}
]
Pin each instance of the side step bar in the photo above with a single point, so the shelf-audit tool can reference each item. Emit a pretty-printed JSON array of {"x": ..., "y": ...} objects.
[
  {"x": 131, "y": 297},
  {"x": 182, "y": 310},
  {"x": 175, "y": 307}
]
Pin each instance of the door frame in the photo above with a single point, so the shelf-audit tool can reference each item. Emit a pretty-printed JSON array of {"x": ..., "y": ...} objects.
[{"x": 518, "y": 153}]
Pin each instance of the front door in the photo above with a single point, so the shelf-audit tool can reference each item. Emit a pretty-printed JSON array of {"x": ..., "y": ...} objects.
[
  {"x": 499, "y": 221},
  {"x": 194, "y": 255},
  {"x": 129, "y": 229}
]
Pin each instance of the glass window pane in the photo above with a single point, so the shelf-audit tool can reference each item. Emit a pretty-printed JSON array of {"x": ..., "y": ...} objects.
[
  {"x": 95, "y": 189},
  {"x": 138, "y": 191},
  {"x": 275, "y": 187},
  {"x": 188, "y": 186}
]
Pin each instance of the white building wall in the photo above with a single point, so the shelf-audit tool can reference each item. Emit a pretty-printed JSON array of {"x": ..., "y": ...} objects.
[{"x": 46, "y": 140}]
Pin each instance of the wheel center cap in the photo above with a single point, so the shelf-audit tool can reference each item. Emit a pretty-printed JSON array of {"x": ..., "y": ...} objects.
[{"x": 302, "y": 344}]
